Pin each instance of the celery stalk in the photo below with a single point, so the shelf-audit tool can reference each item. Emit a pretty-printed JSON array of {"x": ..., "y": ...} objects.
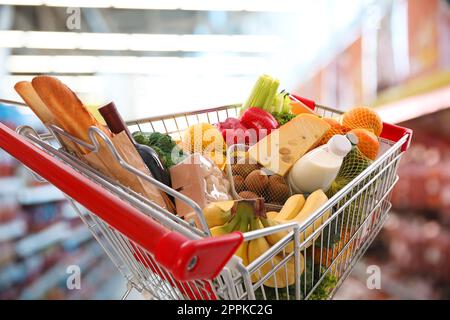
[
  {"x": 278, "y": 103},
  {"x": 263, "y": 94},
  {"x": 286, "y": 104},
  {"x": 270, "y": 99},
  {"x": 261, "y": 97},
  {"x": 273, "y": 107},
  {"x": 254, "y": 93}
]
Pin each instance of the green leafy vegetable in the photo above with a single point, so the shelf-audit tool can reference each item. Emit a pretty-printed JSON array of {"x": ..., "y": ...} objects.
[
  {"x": 283, "y": 117},
  {"x": 163, "y": 144},
  {"x": 323, "y": 291}
]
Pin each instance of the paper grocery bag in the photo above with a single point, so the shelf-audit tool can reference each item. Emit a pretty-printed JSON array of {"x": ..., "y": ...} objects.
[
  {"x": 70, "y": 146},
  {"x": 105, "y": 162},
  {"x": 187, "y": 179}
]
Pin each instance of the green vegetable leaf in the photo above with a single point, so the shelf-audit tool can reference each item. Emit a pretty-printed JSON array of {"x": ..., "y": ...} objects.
[
  {"x": 163, "y": 145},
  {"x": 283, "y": 117}
]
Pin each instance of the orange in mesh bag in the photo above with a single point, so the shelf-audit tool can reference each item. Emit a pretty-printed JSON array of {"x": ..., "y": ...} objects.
[
  {"x": 363, "y": 117},
  {"x": 336, "y": 128},
  {"x": 368, "y": 142}
]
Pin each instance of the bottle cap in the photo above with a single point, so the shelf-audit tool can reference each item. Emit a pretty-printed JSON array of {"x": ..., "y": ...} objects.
[
  {"x": 352, "y": 138},
  {"x": 339, "y": 145}
]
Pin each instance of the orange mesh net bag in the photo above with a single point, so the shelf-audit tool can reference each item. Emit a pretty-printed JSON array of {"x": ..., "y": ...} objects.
[
  {"x": 363, "y": 117},
  {"x": 335, "y": 128}
]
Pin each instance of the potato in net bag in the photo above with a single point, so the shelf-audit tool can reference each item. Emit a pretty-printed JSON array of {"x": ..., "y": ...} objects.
[{"x": 250, "y": 180}]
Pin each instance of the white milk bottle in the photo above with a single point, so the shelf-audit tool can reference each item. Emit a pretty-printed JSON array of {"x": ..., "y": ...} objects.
[{"x": 318, "y": 168}]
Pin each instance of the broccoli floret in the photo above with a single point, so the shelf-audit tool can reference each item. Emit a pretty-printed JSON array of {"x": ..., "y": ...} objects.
[
  {"x": 163, "y": 141},
  {"x": 163, "y": 146},
  {"x": 140, "y": 137},
  {"x": 167, "y": 162}
]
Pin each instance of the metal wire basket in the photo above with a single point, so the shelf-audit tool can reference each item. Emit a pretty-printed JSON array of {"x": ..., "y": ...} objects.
[{"x": 163, "y": 255}]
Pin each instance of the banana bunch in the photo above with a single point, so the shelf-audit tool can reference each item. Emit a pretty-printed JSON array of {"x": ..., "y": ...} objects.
[
  {"x": 228, "y": 216},
  {"x": 218, "y": 213},
  {"x": 297, "y": 209},
  {"x": 239, "y": 222},
  {"x": 243, "y": 216},
  {"x": 284, "y": 276},
  {"x": 248, "y": 215}
]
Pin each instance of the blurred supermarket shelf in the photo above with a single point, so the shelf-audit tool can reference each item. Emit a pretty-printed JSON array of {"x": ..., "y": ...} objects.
[
  {"x": 68, "y": 212},
  {"x": 10, "y": 185},
  {"x": 29, "y": 195},
  {"x": 39, "y": 194},
  {"x": 58, "y": 273},
  {"x": 12, "y": 230},
  {"x": 394, "y": 285},
  {"x": 416, "y": 106},
  {"x": 43, "y": 239}
]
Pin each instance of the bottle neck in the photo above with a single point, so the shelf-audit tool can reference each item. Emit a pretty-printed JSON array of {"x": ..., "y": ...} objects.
[{"x": 114, "y": 120}]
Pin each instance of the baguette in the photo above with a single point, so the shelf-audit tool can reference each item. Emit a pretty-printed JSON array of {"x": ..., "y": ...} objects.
[
  {"x": 65, "y": 106},
  {"x": 31, "y": 98}
]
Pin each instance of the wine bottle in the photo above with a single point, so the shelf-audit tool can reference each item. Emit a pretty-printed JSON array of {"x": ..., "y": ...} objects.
[{"x": 150, "y": 157}]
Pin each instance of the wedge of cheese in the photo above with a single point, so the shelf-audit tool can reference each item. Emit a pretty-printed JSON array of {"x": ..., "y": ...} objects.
[{"x": 283, "y": 147}]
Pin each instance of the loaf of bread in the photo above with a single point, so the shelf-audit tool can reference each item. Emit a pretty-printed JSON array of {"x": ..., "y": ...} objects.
[
  {"x": 54, "y": 103},
  {"x": 26, "y": 91},
  {"x": 31, "y": 98},
  {"x": 65, "y": 106}
]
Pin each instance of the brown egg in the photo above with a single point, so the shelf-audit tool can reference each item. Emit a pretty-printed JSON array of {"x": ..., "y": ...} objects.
[{"x": 257, "y": 181}]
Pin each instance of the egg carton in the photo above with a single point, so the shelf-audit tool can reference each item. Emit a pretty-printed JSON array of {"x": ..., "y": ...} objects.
[{"x": 249, "y": 180}]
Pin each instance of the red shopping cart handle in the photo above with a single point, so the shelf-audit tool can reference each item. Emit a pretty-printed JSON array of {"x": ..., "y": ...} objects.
[
  {"x": 185, "y": 258},
  {"x": 391, "y": 132}
]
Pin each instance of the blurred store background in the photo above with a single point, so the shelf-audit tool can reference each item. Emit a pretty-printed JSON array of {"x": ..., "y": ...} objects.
[{"x": 163, "y": 56}]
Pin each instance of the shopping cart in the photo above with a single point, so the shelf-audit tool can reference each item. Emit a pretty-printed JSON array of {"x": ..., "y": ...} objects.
[{"x": 169, "y": 258}]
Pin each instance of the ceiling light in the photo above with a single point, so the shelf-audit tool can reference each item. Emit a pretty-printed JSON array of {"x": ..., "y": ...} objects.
[
  {"x": 140, "y": 42},
  {"x": 172, "y": 66},
  {"x": 203, "y": 5}
]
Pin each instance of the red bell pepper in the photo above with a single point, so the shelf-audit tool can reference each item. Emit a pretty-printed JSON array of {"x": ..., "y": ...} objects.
[
  {"x": 260, "y": 121},
  {"x": 234, "y": 132},
  {"x": 254, "y": 125}
]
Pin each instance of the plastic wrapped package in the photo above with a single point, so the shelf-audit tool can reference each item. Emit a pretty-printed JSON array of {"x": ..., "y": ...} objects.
[
  {"x": 217, "y": 185},
  {"x": 198, "y": 178}
]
